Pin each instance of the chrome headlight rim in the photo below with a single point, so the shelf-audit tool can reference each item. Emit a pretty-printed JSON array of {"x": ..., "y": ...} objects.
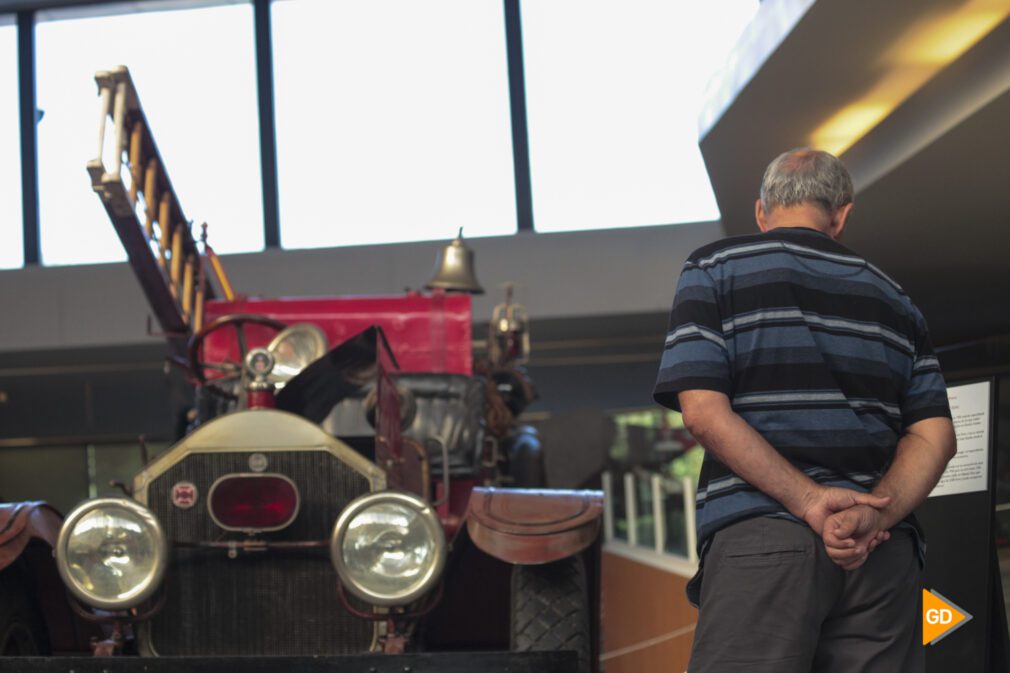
[
  {"x": 426, "y": 513},
  {"x": 154, "y": 580}
]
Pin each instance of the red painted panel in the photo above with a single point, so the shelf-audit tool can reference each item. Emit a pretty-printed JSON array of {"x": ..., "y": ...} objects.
[{"x": 427, "y": 333}]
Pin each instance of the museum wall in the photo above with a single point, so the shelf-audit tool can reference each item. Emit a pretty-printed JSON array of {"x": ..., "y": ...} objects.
[{"x": 558, "y": 275}]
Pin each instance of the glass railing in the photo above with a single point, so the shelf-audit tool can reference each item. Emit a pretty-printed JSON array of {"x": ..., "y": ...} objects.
[{"x": 652, "y": 512}]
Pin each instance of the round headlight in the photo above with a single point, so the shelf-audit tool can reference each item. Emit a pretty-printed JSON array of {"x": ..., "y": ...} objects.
[
  {"x": 388, "y": 548},
  {"x": 111, "y": 553}
]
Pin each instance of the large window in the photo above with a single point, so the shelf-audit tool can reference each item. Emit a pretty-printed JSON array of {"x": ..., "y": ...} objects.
[
  {"x": 614, "y": 90},
  {"x": 392, "y": 121},
  {"x": 392, "y": 117},
  {"x": 11, "y": 240},
  {"x": 195, "y": 72}
]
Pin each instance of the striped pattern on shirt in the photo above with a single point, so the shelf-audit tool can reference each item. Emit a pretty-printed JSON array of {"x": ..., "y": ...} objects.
[{"x": 817, "y": 349}]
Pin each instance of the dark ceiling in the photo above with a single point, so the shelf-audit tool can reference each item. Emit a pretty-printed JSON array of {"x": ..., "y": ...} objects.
[{"x": 932, "y": 179}]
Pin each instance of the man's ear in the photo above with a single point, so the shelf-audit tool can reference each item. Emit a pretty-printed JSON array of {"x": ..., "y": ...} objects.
[
  {"x": 838, "y": 221},
  {"x": 761, "y": 216}
]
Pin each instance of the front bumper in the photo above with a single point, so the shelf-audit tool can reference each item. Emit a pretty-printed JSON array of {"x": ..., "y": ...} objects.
[{"x": 427, "y": 662}]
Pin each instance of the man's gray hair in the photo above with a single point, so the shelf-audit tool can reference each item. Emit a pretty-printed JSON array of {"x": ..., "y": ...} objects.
[{"x": 805, "y": 175}]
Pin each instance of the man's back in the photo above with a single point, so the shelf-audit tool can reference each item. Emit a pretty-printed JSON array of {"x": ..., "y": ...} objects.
[{"x": 825, "y": 356}]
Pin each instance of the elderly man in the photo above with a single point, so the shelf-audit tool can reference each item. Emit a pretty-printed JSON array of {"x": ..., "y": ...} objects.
[{"x": 808, "y": 376}]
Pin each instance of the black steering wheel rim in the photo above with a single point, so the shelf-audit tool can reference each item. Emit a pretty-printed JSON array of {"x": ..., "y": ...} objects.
[{"x": 238, "y": 320}]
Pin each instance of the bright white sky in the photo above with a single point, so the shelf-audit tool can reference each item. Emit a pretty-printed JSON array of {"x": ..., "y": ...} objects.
[
  {"x": 393, "y": 118},
  {"x": 614, "y": 90},
  {"x": 392, "y": 121},
  {"x": 195, "y": 73}
]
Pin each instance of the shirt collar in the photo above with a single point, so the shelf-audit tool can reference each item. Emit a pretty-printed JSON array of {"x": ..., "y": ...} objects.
[{"x": 799, "y": 230}]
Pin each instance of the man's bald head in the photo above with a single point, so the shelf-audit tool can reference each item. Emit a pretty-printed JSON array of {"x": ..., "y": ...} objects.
[{"x": 806, "y": 176}]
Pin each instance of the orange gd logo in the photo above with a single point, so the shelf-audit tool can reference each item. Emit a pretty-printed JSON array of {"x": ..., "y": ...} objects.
[{"x": 940, "y": 617}]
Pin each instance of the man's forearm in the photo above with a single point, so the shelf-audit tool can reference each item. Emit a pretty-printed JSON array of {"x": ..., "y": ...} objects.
[
  {"x": 709, "y": 416},
  {"x": 744, "y": 451},
  {"x": 922, "y": 454}
]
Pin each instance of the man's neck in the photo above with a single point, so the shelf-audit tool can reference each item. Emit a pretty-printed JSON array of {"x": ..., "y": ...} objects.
[{"x": 803, "y": 215}]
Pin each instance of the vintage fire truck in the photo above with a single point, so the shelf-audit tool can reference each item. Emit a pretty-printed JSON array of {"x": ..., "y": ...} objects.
[{"x": 351, "y": 482}]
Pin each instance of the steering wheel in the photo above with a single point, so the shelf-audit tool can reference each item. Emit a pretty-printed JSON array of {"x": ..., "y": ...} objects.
[{"x": 227, "y": 371}]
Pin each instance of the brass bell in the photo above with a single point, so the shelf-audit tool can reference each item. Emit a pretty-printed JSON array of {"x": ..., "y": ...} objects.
[{"x": 454, "y": 269}]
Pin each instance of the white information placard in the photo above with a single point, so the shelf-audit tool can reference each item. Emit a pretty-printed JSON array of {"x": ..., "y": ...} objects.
[{"x": 968, "y": 472}]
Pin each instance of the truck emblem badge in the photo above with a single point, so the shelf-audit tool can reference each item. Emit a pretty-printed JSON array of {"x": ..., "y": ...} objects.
[
  {"x": 257, "y": 462},
  {"x": 184, "y": 494}
]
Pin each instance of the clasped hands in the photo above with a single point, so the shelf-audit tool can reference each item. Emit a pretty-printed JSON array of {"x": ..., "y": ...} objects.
[{"x": 849, "y": 522}]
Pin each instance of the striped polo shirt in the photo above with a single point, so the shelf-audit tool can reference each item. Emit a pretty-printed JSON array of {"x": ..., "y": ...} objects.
[{"x": 818, "y": 350}]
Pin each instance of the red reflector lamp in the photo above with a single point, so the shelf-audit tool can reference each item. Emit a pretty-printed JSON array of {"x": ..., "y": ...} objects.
[{"x": 253, "y": 502}]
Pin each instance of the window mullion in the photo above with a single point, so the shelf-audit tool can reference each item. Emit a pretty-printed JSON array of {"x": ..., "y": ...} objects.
[
  {"x": 268, "y": 129},
  {"x": 517, "y": 99},
  {"x": 29, "y": 137}
]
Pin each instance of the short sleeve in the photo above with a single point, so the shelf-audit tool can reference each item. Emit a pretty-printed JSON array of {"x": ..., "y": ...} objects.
[
  {"x": 925, "y": 396},
  {"x": 695, "y": 355}
]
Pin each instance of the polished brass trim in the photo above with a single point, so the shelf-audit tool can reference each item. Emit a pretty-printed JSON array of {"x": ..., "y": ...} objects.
[{"x": 257, "y": 431}]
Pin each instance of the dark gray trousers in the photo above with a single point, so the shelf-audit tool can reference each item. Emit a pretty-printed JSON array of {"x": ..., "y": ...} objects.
[{"x": 772, "y": 601}]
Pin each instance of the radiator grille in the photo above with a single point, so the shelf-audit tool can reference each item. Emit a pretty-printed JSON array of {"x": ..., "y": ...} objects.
[{"x": 273, "y": 603}]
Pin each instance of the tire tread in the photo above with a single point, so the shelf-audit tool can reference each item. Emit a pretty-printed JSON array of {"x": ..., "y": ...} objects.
[{"x": 550, "y": 609}]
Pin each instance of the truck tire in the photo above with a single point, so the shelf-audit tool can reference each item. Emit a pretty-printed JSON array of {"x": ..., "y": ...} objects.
[
  {"x": 22, "y": 631},
  {"x": 550, "y": 609}
]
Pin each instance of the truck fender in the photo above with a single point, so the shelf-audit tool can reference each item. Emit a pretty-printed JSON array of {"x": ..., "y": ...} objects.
[
  {"x": 533, "y": 526},
  {"x": 20, "y": 522}
]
